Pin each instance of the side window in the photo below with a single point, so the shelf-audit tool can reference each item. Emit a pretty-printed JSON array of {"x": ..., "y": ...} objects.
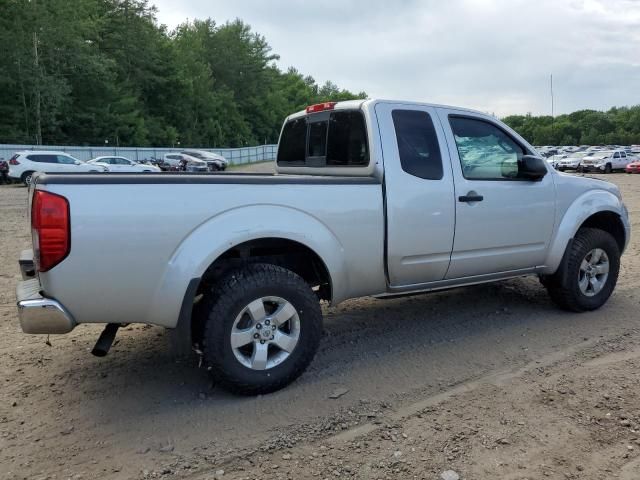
[
  {"x": 617, "y": 155},
  {"x": 486, "y": 152},
  {"x": 417, "y": 144},
  {"x": 43, "y": 158},
  {"x": 347, "y": 140},
  {"x": 291, "y": 149}
]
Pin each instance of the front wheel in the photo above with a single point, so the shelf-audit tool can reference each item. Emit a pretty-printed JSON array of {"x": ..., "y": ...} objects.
[
  {"x": 262, "y": 329},
  {"x": 607, "y": 168},
  {"x": 588, "y": 272}
]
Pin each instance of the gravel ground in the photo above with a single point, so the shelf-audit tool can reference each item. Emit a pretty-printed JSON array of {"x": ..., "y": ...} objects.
[{"x": 475, "y": 383}]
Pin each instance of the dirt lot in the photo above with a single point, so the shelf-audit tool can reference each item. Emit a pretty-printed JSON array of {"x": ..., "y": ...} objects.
[{"x": 487, "y": 382}]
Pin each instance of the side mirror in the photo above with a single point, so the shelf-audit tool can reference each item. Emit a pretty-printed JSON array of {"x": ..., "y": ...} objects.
[
  {"x": 77, "y": 162},
  {"x": 531, "y": 168}
]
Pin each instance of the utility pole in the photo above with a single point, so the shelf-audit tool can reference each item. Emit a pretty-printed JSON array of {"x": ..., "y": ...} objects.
[
  {"x": 552, "y": 112},
  {"x": 36, "y": 64}
]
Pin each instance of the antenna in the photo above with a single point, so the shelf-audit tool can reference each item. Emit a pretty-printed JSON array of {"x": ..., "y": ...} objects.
[
  {"x": 552, "y": 95},
  {"x": 551, "y": 85}
]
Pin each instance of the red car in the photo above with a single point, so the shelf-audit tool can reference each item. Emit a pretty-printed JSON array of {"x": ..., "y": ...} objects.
[{"x": 633, "y": 167}]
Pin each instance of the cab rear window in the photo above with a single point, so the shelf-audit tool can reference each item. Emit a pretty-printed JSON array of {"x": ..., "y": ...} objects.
[{"x": 326, "y": 139}]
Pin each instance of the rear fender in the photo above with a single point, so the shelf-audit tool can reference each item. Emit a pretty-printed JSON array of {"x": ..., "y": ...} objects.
[{"x": 214, "y": 237}]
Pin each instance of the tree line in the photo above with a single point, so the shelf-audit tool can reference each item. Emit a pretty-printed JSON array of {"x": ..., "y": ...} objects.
[
  {"x": 617, "y": 126},
  {"x": 88, "y": 71}
]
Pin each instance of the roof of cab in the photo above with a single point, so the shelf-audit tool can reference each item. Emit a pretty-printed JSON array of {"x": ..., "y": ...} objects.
[{"x": 357, "y": 104}]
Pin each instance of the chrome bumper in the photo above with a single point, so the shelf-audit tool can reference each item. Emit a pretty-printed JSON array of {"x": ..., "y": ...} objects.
[{"x": 39, "y": 314}]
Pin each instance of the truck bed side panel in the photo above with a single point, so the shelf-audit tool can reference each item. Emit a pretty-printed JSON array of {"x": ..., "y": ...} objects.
[{"x": 132, "y": 252}]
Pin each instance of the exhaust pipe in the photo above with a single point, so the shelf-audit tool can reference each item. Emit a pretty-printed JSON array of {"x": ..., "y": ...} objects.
[{"x": 105, "y": 340}]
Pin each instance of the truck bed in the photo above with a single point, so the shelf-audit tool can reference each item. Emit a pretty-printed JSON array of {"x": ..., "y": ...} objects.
[{"x": 137, "y": 240}]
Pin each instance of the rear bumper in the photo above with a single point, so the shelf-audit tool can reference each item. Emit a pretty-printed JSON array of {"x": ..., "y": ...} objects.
[{"x": 39, "y": 314}]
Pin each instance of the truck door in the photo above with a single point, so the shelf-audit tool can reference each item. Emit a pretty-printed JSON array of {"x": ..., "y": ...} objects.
[
  {"x": 503, "y": 223},
  {"x": 420, "y": 207}
]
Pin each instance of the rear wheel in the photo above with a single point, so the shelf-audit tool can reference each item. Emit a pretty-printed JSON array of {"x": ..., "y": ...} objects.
[
  {"x": 588, "y": 272},
  {"x": 263, "y": 327},
  {"x": 26, "y": 178}
]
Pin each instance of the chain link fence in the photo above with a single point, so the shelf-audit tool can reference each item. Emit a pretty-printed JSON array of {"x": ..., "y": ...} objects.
[{"x": 235, "y": 156}]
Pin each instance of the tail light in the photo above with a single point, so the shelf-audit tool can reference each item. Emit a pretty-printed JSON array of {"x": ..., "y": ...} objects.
[
  {"x": 50, "y": 229},
  {"x": 14, "y": 160}
]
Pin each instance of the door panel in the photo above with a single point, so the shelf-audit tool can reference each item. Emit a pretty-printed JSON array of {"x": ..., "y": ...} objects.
[
  {"x": 420, "y": 207},
  {"x": 622, "y": 162},
  {"x": 116, "y": 165},
  {"x": 66, "y": 164},
  {"x": 507, "y": 223}
]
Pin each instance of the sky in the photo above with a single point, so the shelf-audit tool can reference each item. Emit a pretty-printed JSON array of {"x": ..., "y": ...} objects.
[{"x": 492, "y": 55}]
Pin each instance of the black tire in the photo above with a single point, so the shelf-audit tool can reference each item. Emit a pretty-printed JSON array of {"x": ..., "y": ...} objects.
[
  {"x": 563, "y": 287},
  {"x": 607, "y": 168},
  {"x": 226, "y": 301},
  {"x": 26, "y": 178}
]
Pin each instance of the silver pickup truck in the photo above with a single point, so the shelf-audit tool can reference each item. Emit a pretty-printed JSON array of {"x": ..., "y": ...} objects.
[{"x": 371, "y": 197}]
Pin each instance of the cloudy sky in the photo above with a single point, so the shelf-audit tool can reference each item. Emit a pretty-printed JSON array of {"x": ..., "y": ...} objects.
[{"x": 493, "y": 55}]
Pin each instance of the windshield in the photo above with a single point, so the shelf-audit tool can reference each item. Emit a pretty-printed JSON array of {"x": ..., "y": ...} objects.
[
  {"x": 202, "y": 155},
  {"x": 195, "y": 155},
  {"x": 600, "y": 156},
  {"x": 577, "y": 155}
]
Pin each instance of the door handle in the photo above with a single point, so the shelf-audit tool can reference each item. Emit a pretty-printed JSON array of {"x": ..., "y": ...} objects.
[{"x": 470, "y": 197}]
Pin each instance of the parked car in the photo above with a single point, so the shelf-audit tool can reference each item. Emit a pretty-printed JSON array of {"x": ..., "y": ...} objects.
[
  {"x": 214, "y": 161},
  {"x": 184, "y": 163},
  {"x": 122, "y": 164},
  {"x": 633, "y": 167},
  {"x": 372, "y": 197},
  {"x": 604, "y": 161},
  {"x": 24, "y": 164},
  {"x": 554, "y": 159},
  {"x": 570, "y": 162}
]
